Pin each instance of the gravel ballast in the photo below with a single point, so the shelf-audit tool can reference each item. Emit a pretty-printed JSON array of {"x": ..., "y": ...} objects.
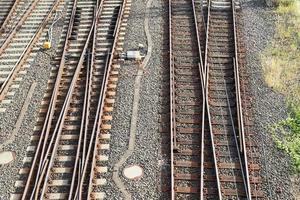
[
  {"x": 123, "y": 107},
  {"x": 37, "y": 74},
  {"x": 146, "y": 152},
  {"x": 269, "y": 106}
]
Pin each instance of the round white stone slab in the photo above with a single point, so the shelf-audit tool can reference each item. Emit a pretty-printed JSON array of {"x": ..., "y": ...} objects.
[
  {"x": 7, "y": 157},
  {"x": 133, "y": 172}
]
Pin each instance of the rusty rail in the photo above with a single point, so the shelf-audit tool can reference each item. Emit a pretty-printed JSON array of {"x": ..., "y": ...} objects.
[
  {"x": 202, "y": 77},
  {"x": 15, "y": 29},
  {"x": 172, "y": 103},
  {"x": 102, "y": 96},
  {"x": 49, "y": 116},
  {"x": 244, "y": 164},
  {"x": 239, "y": 103},
  {"x": 6, "y": 84},
  {"x": 85, "y": 115},
  {"x": 9, "y": 15},
  {"x": 62, "y": 116},
  {"x": 206, "y": 78}
]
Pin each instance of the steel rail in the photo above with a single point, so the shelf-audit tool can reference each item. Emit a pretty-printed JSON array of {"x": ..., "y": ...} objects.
[
  {"x": 197, "y": 35},
  {"x": 39, "y": 182},
  {"x": 50, "y": 111},
  {"x": 95, "y": 129},
  {"x": 205, "y": 29},
  {"x": 235, "y": 137},
  {"x": 15, "y": 29},
  {"x": 9, "y": 15},
  {"x": 202, "y": 131},
  {"x": 59, "y": 76},
  {"x": 206, "y": 73},
  {"x": 239, "y": 105},
  {"x": 90, "y": 77},
  {"x": 85, "y": 115},
  {"x": 234, "y": 132},
  {"x": 45, "y": 161},
  {"x": 99, "y": 110},
  {"x": 6, "y": 84},
  {"x": 206, "y": 40},
  {"x": 63, "y": 113},
  {"x": 245, "y": 175},
  {"x": 172, "y": 103},
  {"x": 203, "y": 17},
  {"x": 238, "y": 99},
  {"x": 202, "y": 78},
  {"x": 99, "y": 5},
  {"x": 82, "y": 133},
  {"x": 103, "y": 92},
  {"x": 84, "y": 157},
  {"x": 172, "y": 97},
  {"x": 231, "y": 117}
]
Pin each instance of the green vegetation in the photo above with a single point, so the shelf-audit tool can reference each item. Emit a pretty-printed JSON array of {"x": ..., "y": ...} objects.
[
  {"x": 286, "y": 135},
  {"x": 281, "y": 66}
]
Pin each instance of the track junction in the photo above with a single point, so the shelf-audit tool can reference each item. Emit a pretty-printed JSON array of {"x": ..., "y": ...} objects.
[{"x": 211, "y": 153}]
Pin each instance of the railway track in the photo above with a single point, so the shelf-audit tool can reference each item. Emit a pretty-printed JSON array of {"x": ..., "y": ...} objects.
[
  {"x": 209, "y": 152},
  {"x": 233, "y": 180},
  {"x": 186, "y": 100},
  {"x": 68, "y": 153},
  {"x": 22, "y": 30},
  {"x": 5, "y": 6}
]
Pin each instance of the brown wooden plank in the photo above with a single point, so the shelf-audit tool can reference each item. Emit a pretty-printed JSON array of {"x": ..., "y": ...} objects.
[{"x": 185, "y": 190}]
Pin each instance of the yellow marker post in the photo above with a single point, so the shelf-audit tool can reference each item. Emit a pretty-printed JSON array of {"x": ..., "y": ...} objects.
[{"x": 47, "y": 45}]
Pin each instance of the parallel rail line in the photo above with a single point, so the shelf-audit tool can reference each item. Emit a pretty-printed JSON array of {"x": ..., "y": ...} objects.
[
  {"x": 12, "y": 16},
  {"x": 7, "y": 7},
  {"x": 68, "y": 155},
  {"x": 18, "y": 42},
  {"x": 186, "y": 101},
  {"x": 209, "y": 151}
]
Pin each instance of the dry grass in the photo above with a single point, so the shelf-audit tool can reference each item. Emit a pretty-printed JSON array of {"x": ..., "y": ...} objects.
[
  {"x": 281, "y": 60},
  {"x": 281, "y": 67}
]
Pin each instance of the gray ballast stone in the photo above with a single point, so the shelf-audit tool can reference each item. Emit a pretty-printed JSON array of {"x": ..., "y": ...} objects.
[{"x": 269, "y": 106}]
